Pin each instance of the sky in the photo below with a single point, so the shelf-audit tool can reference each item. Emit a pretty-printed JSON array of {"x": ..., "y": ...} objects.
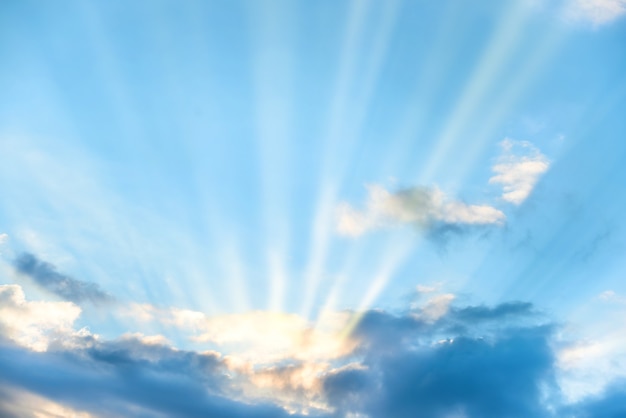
[{"x": 346, "y": 209}]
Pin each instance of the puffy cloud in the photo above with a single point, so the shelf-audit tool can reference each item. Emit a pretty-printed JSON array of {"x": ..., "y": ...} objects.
[
  {"x": 47, "y": 277},
  {"x": 34, "y": 324},
  {"x": 428, "y": 208},
  {"x": 597, "y": 12},
  {"x": 518, "y": 169}
]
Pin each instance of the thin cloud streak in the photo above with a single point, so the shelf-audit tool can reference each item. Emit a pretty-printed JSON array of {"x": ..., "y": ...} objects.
[{"x": 46, "y": 276}]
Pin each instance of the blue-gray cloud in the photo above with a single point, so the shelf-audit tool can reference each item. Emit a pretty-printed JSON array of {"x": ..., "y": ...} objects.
[
  {"x": 129, "y": 378},
  {"x": 47, "y": 277},
  {"x": 464, "y": 376},
  {"x": 472, "y": 371}
]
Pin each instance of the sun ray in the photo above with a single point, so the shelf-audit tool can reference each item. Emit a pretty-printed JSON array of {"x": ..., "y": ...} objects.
[
  {"x": 492, "y": 62},
  {"x": 273, "y": 37},
  {"x": 408, "y": 129},
  {"x": 490, "y": 65},
  {"x": 343, "y": 134}
]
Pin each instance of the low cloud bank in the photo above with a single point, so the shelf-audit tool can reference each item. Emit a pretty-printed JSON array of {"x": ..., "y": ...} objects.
[{"x": 466, "y": 361}]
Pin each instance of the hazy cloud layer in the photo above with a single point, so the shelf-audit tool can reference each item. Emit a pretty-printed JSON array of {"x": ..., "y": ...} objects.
[
  {"x": 425, "y": 207},
  {"x": 47, "y": 277},
  {"x": 518, "y": 169}
]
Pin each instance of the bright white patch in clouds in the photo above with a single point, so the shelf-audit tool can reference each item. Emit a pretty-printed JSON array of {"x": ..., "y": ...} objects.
[
  {"x": 278, "y": 356},
  {"x": 35, "y": 324},
  {"x": 518, "y": 169},
  {"x": 259, "y": 337},
  {"x": 420, "y": 206},
  {"x": 597, "y": 12}
]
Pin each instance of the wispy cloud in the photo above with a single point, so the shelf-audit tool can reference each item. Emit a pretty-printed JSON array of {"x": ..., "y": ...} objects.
[
  {"x": 47, "y": 277},
  {"x": 597, "y": 12},
  {"x": 425, "y": 207},
  {"x": 518, "y": 169}
]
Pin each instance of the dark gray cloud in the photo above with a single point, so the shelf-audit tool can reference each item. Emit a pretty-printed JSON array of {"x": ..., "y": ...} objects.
[{"x": 47, "y": 277}]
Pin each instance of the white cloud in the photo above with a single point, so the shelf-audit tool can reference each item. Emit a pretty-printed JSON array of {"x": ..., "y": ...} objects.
[
  {"x": 518, "y": 169},
  {"x": 597, "y": 12},
  {"x": 421, "y": 206},
  {"x": 35, "y": 324}
]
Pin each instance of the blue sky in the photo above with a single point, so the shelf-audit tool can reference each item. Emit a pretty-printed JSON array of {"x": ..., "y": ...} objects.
[{"x": 245, "y": 201}]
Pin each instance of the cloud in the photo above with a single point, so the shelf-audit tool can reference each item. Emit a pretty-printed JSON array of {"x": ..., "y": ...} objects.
[
  {"x": 47, "y": 277},
  {"x": 16, "y": 403},
  {"x": 596, "y": 12},
  {"x": 414, "y": 368},
  {"x": 589, "y": 360},
  {"x": 34, "y": 325},
  {"x": 518, "y": 169},
  {"x": 113, "y": 380},
  {"x": 258, "y": 337},
  {"x": 609, "y": 404},
  {"x": 611, "y": 296},
  {"x": 43, "y": 356},
  {"x": 428, "y": 208},
  {"x": 463, "y": 361}
]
